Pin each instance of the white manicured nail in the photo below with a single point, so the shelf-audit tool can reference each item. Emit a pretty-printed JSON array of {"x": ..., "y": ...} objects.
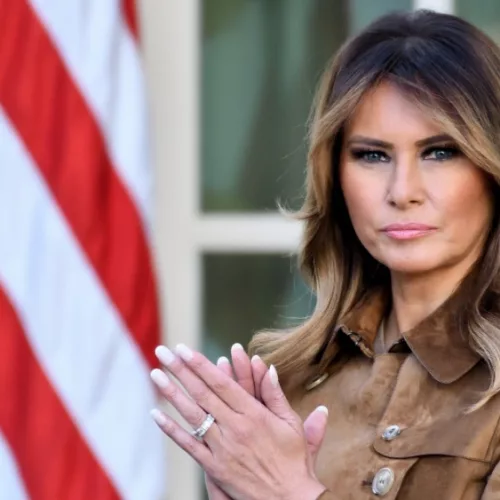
[
  {"x": 164, "y": 355},
  {"x": 256, "y": 357},
  {"x": 159, "y": 378},
  {"x": 221, "y": 360},
  {"x": 158, "y": 417},
  {"x": 184, "y": 352},
  {"x": 273, "y": 374},
  {"x": 237, "y": 347},
  {"x": 322, "y": 409}
]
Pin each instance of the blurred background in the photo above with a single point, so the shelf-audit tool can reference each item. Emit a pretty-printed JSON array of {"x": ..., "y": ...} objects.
[{"x": 144, "y": 146}]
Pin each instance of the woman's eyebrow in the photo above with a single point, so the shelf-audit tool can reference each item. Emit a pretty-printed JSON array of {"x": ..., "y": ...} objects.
[
  {"x": 369, "y": 141},
  {"x": 428, "y": 141}
]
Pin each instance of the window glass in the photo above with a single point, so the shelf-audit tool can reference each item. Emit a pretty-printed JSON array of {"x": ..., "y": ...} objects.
[
  {"x": 363, "y": 12},
  {"x": 261, "y": 63},
  {"x": 485, "y": 15},
  {"x": 245, "y": 293}
]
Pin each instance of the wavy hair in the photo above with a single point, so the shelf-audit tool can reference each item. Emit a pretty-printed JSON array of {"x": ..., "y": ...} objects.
[{"x": 449, "y": 68}]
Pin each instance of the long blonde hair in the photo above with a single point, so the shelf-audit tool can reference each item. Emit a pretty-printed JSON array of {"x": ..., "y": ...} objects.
[{"x": 452, "y": 70}]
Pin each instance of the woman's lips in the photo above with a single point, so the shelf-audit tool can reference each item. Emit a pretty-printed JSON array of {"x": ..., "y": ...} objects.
[{"x": 407, "y": 231}]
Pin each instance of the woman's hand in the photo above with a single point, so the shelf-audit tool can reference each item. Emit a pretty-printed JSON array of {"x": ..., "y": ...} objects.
[
  {"x": 249, "y": 374},
  {"x": 250, "y": 451}
]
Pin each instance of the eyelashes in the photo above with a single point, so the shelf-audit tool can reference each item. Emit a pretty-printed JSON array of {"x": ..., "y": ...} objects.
[
  {"x": 442, "y": 153},
  {"x": 433, "y": 153},
  {"x": 370, "y": 155}
]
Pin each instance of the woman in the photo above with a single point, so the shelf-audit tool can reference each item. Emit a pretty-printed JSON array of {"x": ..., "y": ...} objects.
[{"x": 401, "y": 246}]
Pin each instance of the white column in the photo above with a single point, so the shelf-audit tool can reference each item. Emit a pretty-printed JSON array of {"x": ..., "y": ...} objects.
[
  {"x": 170, "y": 38},
  {"x": 446, "y": 6}
]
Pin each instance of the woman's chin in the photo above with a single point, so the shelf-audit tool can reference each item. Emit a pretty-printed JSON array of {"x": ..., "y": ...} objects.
[
  {"x": 410, "y": 269},
  {"x": 407, "y": 264}
]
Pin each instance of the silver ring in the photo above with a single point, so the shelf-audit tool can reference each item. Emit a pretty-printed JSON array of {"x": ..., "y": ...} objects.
[{"x": 203, "y": 428}]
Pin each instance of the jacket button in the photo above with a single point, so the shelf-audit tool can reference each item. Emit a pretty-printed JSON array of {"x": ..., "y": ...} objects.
[
  {"x": 393, "y": 431},
  {"x": 383, "y": 481}
]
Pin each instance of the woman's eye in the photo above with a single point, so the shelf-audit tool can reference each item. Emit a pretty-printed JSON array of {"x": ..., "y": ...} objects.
[
  {"x": 370, "y": 156},
  {"x": 441, "y": 153}
]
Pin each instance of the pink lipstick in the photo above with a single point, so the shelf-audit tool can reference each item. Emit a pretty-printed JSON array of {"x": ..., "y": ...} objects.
[{"x": 408, "y": 230}]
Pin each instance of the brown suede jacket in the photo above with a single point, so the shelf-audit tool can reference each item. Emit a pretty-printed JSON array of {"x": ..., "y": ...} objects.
[{"x": 397, "y": 425}]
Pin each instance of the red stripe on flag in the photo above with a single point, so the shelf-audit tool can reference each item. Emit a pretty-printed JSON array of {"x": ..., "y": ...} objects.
[
  {"x": 53, "y": 459},
  {"x": 129, "y": 9},
  {"x": 55, "y": 124}
]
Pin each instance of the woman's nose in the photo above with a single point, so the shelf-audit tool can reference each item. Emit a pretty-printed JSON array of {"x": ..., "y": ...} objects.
[{"x": 405, "y": 187}]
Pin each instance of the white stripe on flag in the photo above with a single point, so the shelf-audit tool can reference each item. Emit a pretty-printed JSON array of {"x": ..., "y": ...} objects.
[
  {"x": 98, "y": 49},
  {"x": 11, "y": 483},
  {"x": 74, "y": 329}
]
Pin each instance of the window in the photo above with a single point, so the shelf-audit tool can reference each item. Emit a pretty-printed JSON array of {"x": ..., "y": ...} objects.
[{"x": 261, "y": 64}]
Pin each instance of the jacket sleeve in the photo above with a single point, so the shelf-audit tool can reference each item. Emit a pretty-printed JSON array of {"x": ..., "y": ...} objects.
[{"x": 492, "y": 490}]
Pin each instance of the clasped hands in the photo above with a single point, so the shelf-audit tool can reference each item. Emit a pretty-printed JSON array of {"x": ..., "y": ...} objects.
[{"x": 258, "y": 446}]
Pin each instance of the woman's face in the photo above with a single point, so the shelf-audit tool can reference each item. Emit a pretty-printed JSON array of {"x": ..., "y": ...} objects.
[{"x": 416, "y": 203}]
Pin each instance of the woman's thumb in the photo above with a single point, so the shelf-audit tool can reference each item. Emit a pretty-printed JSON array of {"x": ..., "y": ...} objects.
[{"x": 315, "y": 429}]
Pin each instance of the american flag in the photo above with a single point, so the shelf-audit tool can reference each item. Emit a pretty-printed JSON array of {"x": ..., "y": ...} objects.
[{"x": 78, "y": 303}]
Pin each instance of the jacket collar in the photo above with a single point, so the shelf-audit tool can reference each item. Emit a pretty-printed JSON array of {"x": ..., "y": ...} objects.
[{"x": 436, "y": 342}]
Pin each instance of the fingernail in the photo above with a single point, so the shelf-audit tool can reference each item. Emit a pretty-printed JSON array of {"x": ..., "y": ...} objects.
[
  {"x": 159, "y": 378},
  {"x": 322, "y": 409},
  {"x": 184, "y": 352},
  {"x": 221, "y": 360},
  {"x": 256, "y": 357},
  {"x": 237, "y": 347},
  {"x": 273, "y": 374},
  {"x": 165, "y": 355},
  {"x": 158, "y": 416}
]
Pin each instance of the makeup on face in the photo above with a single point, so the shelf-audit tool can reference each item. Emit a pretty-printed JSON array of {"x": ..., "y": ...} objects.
[
  {"x": 407, "y": 230},
  {"x": 416, "y": 202}
]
